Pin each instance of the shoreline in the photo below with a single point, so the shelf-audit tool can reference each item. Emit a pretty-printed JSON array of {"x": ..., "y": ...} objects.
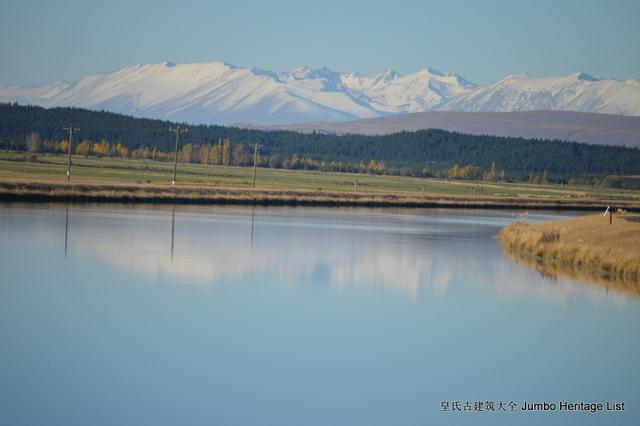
[
  {"x": 194, "y": 194},
  {"x": 587, "y": 244},
  {"x": 551, "y": 269}
]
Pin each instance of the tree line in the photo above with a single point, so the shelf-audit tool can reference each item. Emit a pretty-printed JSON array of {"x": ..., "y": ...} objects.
[{"x": 420, "y": 153}]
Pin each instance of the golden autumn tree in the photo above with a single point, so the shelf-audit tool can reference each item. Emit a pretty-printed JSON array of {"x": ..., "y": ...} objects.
[{"x": 84, "y": 148}]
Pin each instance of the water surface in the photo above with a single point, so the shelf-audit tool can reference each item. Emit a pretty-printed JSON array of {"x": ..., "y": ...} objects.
[{"x": 113, "y": 315}]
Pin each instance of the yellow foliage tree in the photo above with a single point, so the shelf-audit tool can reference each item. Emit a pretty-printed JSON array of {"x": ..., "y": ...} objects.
[
  {"x": 101, "y": 149},
  {"x": 84, "y": 148},
  {"x": 371, "y": 168},
  {"x": 63, "y": 146},
  {"x": 187, "y": 153}
]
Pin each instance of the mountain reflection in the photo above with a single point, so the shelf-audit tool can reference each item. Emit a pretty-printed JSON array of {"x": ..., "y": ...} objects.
[{"x": 412, "y": 252}]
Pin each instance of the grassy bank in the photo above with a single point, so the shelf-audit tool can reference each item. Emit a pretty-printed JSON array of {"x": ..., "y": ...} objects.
[
  {"x": 587, "y": 243},
  {"x": 16, "y": 190},
  {"x": 111, "y": 179}
]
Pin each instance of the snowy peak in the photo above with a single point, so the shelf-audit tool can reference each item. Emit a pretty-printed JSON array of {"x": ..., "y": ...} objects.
[
  {"x": 390, "y": 92},
  {"x": 221, "y": 93},
  {"x": 304, "y": 73},
  {"x": 434, "y": 72},
  {"x": 585, "y": 77},
  {"x": 385, "y": 77},
  {"x": 575, "y": 92}
]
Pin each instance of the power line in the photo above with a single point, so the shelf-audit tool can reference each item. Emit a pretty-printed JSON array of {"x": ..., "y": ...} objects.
[
  {"x": 71, "y": 129},
  {"x": 177, "y": 131}
]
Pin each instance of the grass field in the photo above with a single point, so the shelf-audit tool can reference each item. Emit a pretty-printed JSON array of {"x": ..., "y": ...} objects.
[
  {"x": 51, "y": 169},
  {"x": 588, "y": 243}
]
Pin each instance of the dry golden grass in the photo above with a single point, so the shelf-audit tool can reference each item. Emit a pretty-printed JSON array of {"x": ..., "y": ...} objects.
[
  {"x": 587, "y": 243},
  {"x": 27, "y": 189}
]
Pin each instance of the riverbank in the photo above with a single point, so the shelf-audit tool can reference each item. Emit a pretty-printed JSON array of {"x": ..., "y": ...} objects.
[
  {"x": 149, "y": 179},
  {"x": 204, "y": 194},
  {"x": 587, "y": 243}
]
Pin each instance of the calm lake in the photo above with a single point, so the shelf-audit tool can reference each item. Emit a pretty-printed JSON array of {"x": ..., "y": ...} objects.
[{"x": 153, "y": 315}]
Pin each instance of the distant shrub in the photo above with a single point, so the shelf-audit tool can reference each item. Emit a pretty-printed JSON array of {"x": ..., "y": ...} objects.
[{"x": 611, "y": 182}]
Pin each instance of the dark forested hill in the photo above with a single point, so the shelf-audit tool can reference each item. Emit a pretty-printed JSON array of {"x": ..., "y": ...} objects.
[
  {"x": 598, "y": 129},
  {"x": 406, "y": 151}
]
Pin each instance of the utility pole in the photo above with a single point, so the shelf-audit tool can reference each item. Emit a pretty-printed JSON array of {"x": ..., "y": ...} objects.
[
  {"x": 71, "y": 129},
  {"x": 255, "y": 162},
  {"x": 177, "y": 131}
]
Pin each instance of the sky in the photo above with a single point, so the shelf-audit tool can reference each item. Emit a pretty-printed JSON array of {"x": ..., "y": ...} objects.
[{"x": 45, "y": 41}]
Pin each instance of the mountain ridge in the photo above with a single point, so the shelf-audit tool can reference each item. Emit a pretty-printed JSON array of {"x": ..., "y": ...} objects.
[
  {"x": 584, "y": 127},
  {"x": 221, "y": 93}
]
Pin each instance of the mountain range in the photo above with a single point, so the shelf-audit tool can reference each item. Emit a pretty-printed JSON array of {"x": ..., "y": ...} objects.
[{"x": 220, "y": 93}]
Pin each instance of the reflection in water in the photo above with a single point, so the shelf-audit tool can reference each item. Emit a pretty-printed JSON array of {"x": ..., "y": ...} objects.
[
  {"x": 327, "y": 316},
  {"x": 66, "y": 230},
  {"x": 413, "y": 253},
  {"x": 173, "y": 224},
  {"x": 554, "y": 270},
  {"x": 253, "y": 212}
]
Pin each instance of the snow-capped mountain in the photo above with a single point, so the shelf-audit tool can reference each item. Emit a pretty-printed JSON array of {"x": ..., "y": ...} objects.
[
  {"x": 575, "y": 92},
  {"x": 220, "y": 93}
]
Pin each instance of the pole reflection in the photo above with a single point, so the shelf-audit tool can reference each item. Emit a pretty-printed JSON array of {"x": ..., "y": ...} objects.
[
  {"x": 66, "y": 231},
  {"x": 173, "y": 225},
  {"x": 253, "y": 213}
]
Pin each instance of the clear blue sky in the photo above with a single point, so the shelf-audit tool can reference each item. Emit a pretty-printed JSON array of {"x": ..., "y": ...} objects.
[{"x": 43, "y": 41}]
